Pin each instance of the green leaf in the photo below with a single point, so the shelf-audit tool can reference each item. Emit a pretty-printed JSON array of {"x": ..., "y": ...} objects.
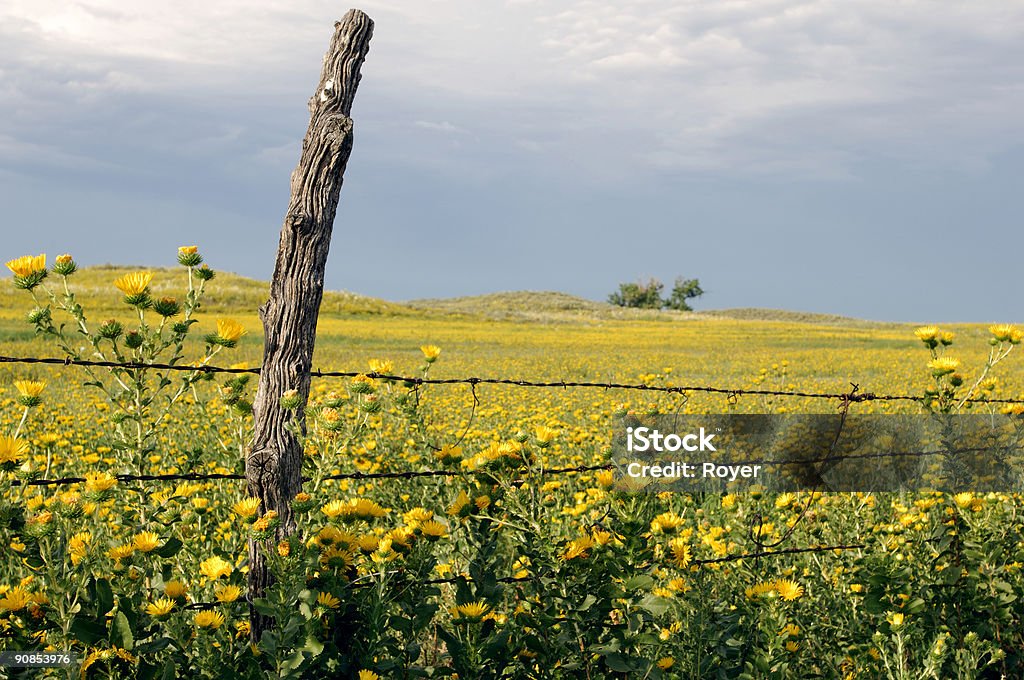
[
  {"x": 638, "y": 582},
  {"x": 268, "y": 641},
  {"x": 620, "y": 663},
  {"x": 263, "y": 606},
  {"x": 313, "y": 646},
  {"x": 153, "y": 646},
  {"x": 655, "y": 605},
  {"x": 104, "y": 597},
  {"x": 121, "y": 632},
  {"x": 87, "y": 629}
]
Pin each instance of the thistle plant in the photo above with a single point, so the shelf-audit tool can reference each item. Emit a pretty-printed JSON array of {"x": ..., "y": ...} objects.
[
  {"x": 950, "y": 391},
  {"x": 141, "y": 397}
]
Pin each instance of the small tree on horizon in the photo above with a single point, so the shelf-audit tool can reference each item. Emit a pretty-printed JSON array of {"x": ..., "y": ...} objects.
[
  {"x": 647, "y": 294},
  {"x": 642, "y": 295},
  {"x": 683, "y": 291}
]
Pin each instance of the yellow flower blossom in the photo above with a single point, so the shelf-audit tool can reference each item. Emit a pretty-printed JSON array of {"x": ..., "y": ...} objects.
[
  {"x": 680, "y": 550},
  {"x": 15, "y": 600},
  {"x": 27, "y": 265},
  {"x": 161, "y": 607},
  {"x": 229, "y": 330},
  {"x": 12, "y": 450},
  {"x": 215, "y": 567},
  {"x": 788, "y": 590},
  {"x": 381, "y": 366},
  {"x": 578, "y": 547},
  {"x": 471, "y": 612},
  {"x": 943, "y": 366},
  {"x": 209, "y": 619},
  {"x": 227, "y": 593},
  {"x": 175, "y": 589},
  {"x": 97, "y": 482},
  {"x": 146, "y": 541},
  {"x": 134, "y": 283},
  {"x": 432, "y": 530},
  {"x": 246, "y": 508}
]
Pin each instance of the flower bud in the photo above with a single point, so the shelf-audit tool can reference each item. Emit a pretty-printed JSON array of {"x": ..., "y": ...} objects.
[
  {"x": 167, "y": 307},
  {"x": 111, "y": 329},
  {"x": 65, "y": 265},
  {"x": 291, "y": 400},
  {"x": 188, "y": 256},
  {"x": 133, "y": 339},
  {"x": 40, "y": 316}
]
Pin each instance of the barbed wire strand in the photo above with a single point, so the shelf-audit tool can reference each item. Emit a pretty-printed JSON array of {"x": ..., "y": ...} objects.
[{"x": 411, "y": 381}]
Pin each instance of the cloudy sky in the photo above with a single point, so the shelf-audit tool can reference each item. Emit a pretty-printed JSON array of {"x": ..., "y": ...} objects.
[{"x": 860, "y": 157}]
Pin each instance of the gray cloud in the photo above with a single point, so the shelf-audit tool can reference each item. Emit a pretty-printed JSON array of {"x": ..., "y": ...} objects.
[{"x": 540, "y": 131}]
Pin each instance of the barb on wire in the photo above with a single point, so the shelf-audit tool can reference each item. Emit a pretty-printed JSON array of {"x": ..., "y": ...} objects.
[{"x": 756, "y": 533}]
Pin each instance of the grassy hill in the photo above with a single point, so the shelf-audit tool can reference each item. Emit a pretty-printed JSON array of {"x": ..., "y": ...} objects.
[
  {"x": 227, "y": 294},
  {"x": 233, "y": 294}
]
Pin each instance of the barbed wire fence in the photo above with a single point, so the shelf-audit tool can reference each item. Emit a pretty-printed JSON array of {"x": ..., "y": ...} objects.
[{"x": 763, "y": 549}]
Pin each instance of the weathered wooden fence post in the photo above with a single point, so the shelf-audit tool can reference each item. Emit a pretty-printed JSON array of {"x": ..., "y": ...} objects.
[{"x": 273, "y": 466}]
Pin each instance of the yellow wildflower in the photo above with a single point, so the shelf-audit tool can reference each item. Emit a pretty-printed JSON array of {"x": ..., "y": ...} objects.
[
  {"x": 760, "y": 590},
  {"x": 215, "y": 567},
  {"x": 327, "y": 600},
  {"x": 680, "y": 552},
  {"x": 788, "y": 590},
  {"x": 97, "y": 482},
  {"x": 335, "y": 508},
  {"x": 381, "y": 366},
  {"x": 209, "y": 619},
  {"x": 78, "y": 546},
  {"x": 430, "y": 353},
  {"x": 29, "y": 391},
  {"x": 229, "y": 331},
  {"x": 27, "y": 266},
  {"x": 11, "y": 449},
  {"x": 666, "y": 523},
  {"x": 134, "y": 284},
  {"x": 578, "y": 547},
  {"x": 145, "y": 542},
  {"x": 15, "y": 600},
  {"x": 246, "y": 507},
  {"x": 121, "y": 552},
  {"x": 175, "y": 590},
  {"x": 161, "y": 607},
  {"x": 227, "y": 593},
  {"x": 432, "y": 530},
  {"x": 471, "y": 612},
  {"x": 943, "y": 366}
]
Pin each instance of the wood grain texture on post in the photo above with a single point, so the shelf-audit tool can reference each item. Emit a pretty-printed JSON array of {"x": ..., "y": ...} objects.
[{"x": 273, "y": 466}]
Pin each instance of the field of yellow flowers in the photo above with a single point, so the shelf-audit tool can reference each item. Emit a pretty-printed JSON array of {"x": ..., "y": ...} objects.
[{"x": 500, "y": 568}]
